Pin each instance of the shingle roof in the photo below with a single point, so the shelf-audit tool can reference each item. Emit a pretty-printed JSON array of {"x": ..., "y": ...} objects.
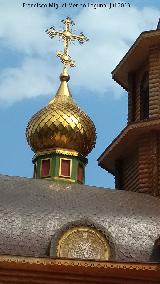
[{"x": 32, "y": 212}]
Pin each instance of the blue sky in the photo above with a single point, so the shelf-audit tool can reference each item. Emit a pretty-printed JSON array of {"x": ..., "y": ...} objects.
[{"x": 29, "y": 72}]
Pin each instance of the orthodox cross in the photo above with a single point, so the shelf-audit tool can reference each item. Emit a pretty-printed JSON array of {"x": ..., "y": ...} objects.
[{"x": 67, "y": 37}]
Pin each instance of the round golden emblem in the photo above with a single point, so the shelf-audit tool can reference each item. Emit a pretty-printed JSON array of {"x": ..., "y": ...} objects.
[{"x": 83, "y": 243}]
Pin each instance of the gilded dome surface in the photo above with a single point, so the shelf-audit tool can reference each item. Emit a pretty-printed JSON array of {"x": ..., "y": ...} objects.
[{"x": 61, "y": 124}]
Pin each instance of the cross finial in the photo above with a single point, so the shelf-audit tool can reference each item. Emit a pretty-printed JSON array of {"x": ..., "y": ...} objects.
[{"x": 67, "y": 36}]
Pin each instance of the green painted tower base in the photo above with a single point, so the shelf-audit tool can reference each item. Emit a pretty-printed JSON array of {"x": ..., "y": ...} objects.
[{"x": 60, "y": 165}]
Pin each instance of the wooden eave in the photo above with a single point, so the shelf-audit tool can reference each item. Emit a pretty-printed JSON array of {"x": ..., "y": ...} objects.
[
  {"x": 135, "y": 57},
  {"x": 125, "y": 142},
  {"x": 14, "y": 269}
]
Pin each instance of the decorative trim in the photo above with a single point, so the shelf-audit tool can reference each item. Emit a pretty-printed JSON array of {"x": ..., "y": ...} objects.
[
  {"x": 58, "y": 151},
  {"x": 80, "y": 263},
  {"x": 66, "y": 152},
  {"x": 65, "y": 179}
]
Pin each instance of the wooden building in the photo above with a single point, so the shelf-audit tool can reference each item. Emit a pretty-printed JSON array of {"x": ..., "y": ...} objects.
[{"x": 134, "y": 155}]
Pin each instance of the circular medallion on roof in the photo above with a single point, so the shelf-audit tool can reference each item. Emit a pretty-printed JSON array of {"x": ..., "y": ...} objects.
[{"x": 83, "y": 243}]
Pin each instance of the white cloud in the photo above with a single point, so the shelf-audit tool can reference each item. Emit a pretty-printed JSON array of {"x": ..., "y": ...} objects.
[
  {"x": 111, "y": 33},
  {"x": 24, "y": 29},
  {"x": 32, "y": 78}
]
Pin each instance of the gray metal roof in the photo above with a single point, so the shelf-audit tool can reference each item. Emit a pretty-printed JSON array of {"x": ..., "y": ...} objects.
[{"x": 34, "y": 212}]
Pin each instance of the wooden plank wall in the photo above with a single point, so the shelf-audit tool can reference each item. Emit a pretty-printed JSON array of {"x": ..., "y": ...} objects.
[
  {"x": 154, "y": 82},
  {"x": 145, "y": 163},
  {"x": 154, "y": 162},
  {"x": 140, "y": 170},
  {"x": 130, "y": 172},
  {"x": 158, "y": 190}
]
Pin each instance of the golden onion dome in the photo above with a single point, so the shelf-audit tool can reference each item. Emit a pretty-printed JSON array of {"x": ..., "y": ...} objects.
[{"x": 61, "y": 124}]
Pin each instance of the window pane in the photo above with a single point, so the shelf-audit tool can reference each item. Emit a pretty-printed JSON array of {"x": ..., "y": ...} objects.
[
  {"x": 80, "y": 173},
  {"x": 65, "y": 168},
  {"x": 45, "y": 168},
  {"x": 144, "y": 97}
]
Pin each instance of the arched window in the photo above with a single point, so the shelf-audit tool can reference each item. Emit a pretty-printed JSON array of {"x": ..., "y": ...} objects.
[
  {"x": 144, "y": 97},
  {"x": 83, "y": 243}
]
